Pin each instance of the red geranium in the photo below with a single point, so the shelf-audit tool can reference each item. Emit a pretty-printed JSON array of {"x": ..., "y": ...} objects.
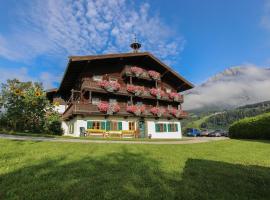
[
  {"x": 109, "y": 108},
  {"x": 136, "y": 90},
  {"x": 136, "y": 109},
  {"x": 175, "y": 96},
  {"x": 157, "y": 93},
  {"x": 154, "y": 75},
  {"x": 110, "y": 86},
  {"x": 137, "y": 71},
  {"x": 157, "y": 111}
]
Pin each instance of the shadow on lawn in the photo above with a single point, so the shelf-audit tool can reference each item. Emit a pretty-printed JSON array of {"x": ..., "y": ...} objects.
[{"x": 127, "y": 175}]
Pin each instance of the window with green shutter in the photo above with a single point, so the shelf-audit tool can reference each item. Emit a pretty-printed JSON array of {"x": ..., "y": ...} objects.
[
  {"x": 169, "y": 127},
  {"x": 103, "y": 125},
  {"x": 176, "y": 127},
  {"x": 108, "y": 125},
  {"x": 89, "y": 124},
  {"x": 165, "y": 128},
  {"x": 119, "y": 126}
]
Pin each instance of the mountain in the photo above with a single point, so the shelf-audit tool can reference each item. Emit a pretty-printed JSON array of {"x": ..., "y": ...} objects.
[
  {"x": 229, "y": 89},
  {"x": 222, "y": 120}
]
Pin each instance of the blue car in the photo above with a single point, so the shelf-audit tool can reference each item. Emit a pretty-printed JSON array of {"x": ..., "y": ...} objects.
[{"x": 193, "y": 132}]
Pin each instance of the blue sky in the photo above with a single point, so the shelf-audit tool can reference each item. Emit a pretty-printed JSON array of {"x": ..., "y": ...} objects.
[{"x": 197, "y": 38}]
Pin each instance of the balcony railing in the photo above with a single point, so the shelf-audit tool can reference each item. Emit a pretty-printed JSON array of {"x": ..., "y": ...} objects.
[
  {"x": 78, "y": 108},
  {"x": 94, "y": 86}
]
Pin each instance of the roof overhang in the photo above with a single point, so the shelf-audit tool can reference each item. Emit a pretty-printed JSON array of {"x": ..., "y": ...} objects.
[{"x": 72, "y": 71}]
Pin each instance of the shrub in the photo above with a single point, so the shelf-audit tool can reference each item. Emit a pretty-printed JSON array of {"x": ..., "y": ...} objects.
[
  {"x": 53, "y": 124},
  {"x": 251, "y": 128}
]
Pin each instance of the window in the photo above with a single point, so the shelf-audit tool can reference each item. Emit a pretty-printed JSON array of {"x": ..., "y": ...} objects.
[
  {"x": 71, "y": 128},
  {"x": 100, "y": 125},
  {"x": 161, "y": 127},
  {"x": 139, "y": 103},
  {"x": 168, "y": 90},
  {"x": 111, "y": 79},
  {"x": 112, "y": 101},
  {"x": 97, "y": 78},
  {"x": 172, "y": 127},
  {"x": 95, "y": 100},
  {"x": 131, "y": 126},
  {"x": 113, "y": 126}
]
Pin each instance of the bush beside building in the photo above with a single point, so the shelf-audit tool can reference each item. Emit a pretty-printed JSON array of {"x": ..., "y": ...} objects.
[{"x": 251, "y": 128}]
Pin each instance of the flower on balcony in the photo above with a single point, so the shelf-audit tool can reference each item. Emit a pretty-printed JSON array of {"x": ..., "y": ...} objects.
[
  {"x": 157, "y": 93},
  {"x": 137, "y": 71},
  {"x": 177, "y": 113},
  {"x": 154, "y": 75},
  {"x": 108, "y": 108},
  {"x": 136, "y": 109},
  {"x": 175, "y": 96},
  {"x": 136, "y": 90},
  {"x": 109, "y": 86},
  {"x": 157, "y": 111}
]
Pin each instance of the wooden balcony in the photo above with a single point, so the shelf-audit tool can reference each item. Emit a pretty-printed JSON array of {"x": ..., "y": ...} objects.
[
  {"x": 86, "y": 109},
  {"x": 93, "y": 86}
]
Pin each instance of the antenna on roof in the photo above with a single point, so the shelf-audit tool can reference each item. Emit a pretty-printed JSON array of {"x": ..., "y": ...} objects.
[{"x": 135, "y": 45}]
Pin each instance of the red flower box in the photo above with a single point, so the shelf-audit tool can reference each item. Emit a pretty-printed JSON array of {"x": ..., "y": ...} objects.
[
  {"x": 175, "y": 96},
  {"x": 136, "y": 109},
  {"x": 137, "y": 71},
  {"x": 177, "y": 113},
  {"x": 109, "y": 86},
  {"x": 157, "y": 111},
  {"x": 136, "y": 90},
  {"x": 108, "y": 108},
  {"x": 154, "y": 75},
  {"x": 157, "y": 93}
]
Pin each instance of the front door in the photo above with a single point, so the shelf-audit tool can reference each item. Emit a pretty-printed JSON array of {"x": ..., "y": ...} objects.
[{"x": 142, "y": 129}]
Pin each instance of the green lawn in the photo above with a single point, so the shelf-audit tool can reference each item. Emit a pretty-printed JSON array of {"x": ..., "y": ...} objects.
[{"x": 230, "y": 169}]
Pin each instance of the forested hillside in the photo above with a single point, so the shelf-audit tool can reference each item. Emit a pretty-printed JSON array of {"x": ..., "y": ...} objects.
[{"x": 222, "y": 120}]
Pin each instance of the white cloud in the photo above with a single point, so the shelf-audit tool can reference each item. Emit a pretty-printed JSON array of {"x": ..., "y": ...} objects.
[
  {"x": 234, "y": 87},
  {"x": 88, "y": 27},
  {"x": 22, "y": 74},
  {"x": 265, "y": 21}
]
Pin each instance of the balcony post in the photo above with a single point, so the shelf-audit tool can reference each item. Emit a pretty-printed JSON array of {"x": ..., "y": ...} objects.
[
  {"x": 72, "y": 95},
  {"x": 90, "y": 96}
]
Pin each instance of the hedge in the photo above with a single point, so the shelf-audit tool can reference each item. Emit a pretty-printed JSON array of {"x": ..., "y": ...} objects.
[{"x": 251, "y": 128}]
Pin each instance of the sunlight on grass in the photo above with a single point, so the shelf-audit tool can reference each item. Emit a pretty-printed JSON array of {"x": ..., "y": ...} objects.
[{"x": 230, "y": 169}]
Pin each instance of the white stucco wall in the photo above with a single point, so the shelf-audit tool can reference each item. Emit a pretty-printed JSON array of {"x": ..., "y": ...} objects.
[
  {"x": 168, "y": 135},
  {"x": 60, "y": 109},
  {"x": 149, "y": 126}
]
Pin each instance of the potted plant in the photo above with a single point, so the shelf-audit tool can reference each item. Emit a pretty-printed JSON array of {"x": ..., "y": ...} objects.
[
  {"x": 177, "y": 113},
  {"x": 109, "y": 86},
  {"x": 154, "y": 75},
  {"x": 108, "y": 108},
  {"x": 175, "y": 96},
  {"x": 157, "y": 111},
  {"x": 137, "y": 71},
  {"x": 136, "y": 109},
  {"x": 157, "y": 93},
  {"x": 136, "y": 90}
]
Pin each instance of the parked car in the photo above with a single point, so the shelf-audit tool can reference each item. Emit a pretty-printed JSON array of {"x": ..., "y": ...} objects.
[
  {"x": 193, "y": 132},
  {"x": 216, "y": 133},
  {"x": 225, "y": 133},
  {"x": 204, "y": 133}
]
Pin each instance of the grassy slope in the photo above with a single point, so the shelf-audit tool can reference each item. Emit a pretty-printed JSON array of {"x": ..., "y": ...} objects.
[{"x": 231, "y": 169}]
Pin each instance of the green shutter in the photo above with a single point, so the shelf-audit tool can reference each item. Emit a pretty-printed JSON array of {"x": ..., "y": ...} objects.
[
  {"x": 120, "y": 126},
  {"x": 157, "y": 128},
  {"x": 170, "y": 127},
  {"x": 165, "y": 128},
  {"x": 89, "y": 124},
  {"x": 103, "y": 125},
  {"x": 176, "y": 127},
  {"x": 108, "y": 125}
]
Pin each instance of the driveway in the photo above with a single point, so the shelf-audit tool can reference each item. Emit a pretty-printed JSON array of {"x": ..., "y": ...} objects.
[{"x": 190, "y": 140}]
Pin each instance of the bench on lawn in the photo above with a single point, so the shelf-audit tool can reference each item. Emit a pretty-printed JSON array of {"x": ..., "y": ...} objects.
[{"x": 96, "y": 132}]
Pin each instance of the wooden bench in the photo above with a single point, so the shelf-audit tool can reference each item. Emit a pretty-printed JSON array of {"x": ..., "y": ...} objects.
[{"x": 96, "y": 132}]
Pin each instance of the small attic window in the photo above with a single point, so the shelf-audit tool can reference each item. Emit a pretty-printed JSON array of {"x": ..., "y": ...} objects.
[
  {"x": 97, "y": 78},
  {"x": 113, "y": 79}
]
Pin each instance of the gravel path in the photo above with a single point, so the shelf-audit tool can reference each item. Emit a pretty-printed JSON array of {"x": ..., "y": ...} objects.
[{"x": 46, "y": 139}]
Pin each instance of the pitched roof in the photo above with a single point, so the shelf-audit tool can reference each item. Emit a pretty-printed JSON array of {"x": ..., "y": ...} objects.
[{"x": 185, "y": 85}]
